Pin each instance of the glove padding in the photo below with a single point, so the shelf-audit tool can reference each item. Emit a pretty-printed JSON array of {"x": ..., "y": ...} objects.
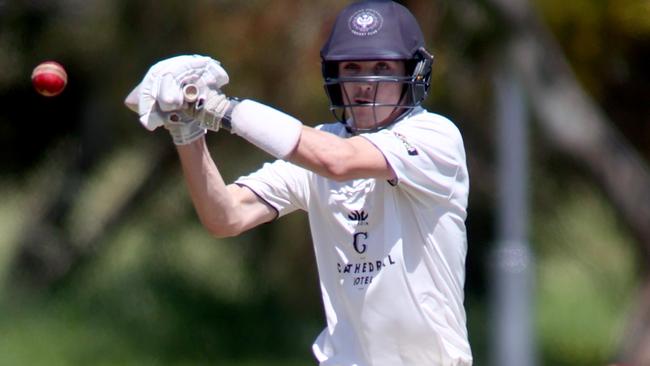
[
  {"x": 159, "y": 96},
  {"x": 183, "y": 128}
]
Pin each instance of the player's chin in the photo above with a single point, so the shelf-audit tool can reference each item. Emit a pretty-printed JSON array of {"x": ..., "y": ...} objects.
[{"x": 369, "y": 117}]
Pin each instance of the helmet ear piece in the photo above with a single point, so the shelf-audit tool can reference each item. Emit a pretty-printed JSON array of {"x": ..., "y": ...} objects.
[
  {"x": 426, "y": 60},
  {"x": 330, "y": 70},
  {"x": 419, "y": 68},
  {"x": 421, "y": 74},
  {"x": 334, "y": 93}
]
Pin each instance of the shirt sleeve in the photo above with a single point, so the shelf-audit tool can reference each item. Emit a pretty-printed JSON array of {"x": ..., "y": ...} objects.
[
  {"x": 427, "y": 156},
  {"x": 282, "y": 185}
]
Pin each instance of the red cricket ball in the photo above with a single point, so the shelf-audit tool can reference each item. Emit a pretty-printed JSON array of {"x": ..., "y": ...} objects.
[{"x": 49, "y": 78}]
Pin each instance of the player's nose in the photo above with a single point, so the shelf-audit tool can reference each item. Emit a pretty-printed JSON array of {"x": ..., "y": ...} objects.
[{"x": 365, "y": 88}]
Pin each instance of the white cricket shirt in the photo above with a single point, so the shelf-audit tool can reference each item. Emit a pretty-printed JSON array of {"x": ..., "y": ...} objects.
[{"x": 391, "y": 256}]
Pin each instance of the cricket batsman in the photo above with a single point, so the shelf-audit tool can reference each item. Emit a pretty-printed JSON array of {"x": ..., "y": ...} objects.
[{"x": 385, "y": 186}]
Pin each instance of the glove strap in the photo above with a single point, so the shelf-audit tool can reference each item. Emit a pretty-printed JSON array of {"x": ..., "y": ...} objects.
[
  {"x": 226, "y": 121},
  {"x": 214, "y": 112}
]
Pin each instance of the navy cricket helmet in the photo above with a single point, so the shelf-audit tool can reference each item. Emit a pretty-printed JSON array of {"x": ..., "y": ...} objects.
[{"x": 376, "y": 30}]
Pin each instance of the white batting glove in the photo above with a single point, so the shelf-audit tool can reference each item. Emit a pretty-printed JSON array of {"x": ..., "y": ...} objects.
[
  {"x": 160, "y": 99},
  {"x": 183, "y": 128},
  {"x": 183, "y": 94},
  {"x": 213, "y": 112}
]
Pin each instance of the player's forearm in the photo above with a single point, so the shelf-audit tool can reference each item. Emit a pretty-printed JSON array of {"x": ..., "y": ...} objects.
[
  {"x": 214, "y": 203},
  {"x": 337, "y": 158},
  {"x": 320, "y": 152}
]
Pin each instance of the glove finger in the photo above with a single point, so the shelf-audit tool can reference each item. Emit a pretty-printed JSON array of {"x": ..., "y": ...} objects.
[
  {"x": 132, "y": 99},
  {"x": 156, "y": 118},
  {"x": 152, "y": 119},
  {"x": 147, "y": 104},
  {"x": 170, "y": 94},
  {"x": 142, "y": 98},
  {"x": 175, "y": 65},
  {"x": 177, "y": 72},
  {"x": 214, "y": 74},
  {"x": 201, "y": 70},
  {"x": 182, "y": 67},
  {"x": 211, "y": 76}
]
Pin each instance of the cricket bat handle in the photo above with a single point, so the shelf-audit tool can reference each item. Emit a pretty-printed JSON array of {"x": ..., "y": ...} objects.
[{"x": 190, "y": 93}]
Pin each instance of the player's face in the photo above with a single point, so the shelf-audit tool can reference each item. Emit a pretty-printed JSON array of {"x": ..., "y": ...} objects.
[{"x": 365, "y": 93}]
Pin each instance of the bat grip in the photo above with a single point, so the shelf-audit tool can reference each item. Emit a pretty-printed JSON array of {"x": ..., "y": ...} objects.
[{"x": 190, "y": 93}]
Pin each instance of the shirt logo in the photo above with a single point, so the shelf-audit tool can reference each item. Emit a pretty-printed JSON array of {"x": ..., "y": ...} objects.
[
  {"x": 359, "y": 246},
  {"x": 365, "y": 22},
  {"x": 410, "y": 149},
  {"x": 359, "y": 216}
]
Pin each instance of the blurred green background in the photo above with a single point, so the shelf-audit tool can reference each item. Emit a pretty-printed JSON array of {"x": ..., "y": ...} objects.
[{"x": 104, "y": 262}]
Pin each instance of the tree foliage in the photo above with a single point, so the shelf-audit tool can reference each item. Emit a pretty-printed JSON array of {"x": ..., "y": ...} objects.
[{"x": 99, "y": 237}]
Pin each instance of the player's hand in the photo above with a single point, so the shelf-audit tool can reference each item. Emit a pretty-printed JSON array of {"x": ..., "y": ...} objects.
[{"x": 160, "y": 99}]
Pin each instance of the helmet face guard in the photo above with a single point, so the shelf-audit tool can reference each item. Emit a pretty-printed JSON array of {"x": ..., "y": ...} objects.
[
  {"x": 374, "y": 30},
  {"x": 414, "y": 86}
]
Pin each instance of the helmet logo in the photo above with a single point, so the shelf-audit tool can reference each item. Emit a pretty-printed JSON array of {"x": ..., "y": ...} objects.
[{"x": 365, "y": 22}]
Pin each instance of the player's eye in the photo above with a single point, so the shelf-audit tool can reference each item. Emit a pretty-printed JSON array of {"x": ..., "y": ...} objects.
[
  {"x": 351, "y": 68},
  {"x": 383, "y": 68}
]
